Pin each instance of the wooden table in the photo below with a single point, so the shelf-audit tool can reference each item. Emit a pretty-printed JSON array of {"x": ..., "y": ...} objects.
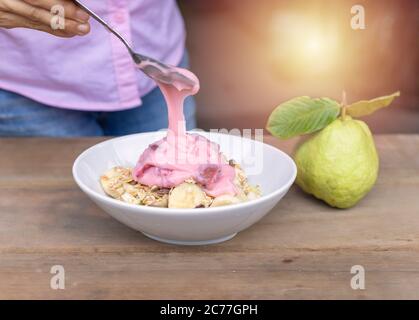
[{"x": 302, "y": 250}]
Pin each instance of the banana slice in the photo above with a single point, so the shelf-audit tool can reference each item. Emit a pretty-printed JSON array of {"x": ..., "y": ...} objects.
[
  {"x": 129, "y": 198},
  {"x": 224, "y": 200},
  {"x": 188, "y": 195},
  {"x": 113, "y": 181}
]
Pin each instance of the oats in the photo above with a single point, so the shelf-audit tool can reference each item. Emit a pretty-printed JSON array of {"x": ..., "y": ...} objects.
[
  {"x": 162, "y": 192},
  {"x": 119, "y": 184},
  {"x": 126, "y": 197},
  {"x": 148, "y": 200},
  {"x": 161, "y": 202}
]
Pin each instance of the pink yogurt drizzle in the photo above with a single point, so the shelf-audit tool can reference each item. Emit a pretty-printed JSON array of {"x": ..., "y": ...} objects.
[{"x": 180, "y": 155}]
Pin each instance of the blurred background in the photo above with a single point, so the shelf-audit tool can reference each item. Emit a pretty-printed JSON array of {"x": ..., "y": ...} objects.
[{"x": 252, "y": 55}]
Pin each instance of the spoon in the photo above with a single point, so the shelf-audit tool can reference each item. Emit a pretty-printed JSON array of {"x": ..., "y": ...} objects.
[{"x": 157, "y": 70}]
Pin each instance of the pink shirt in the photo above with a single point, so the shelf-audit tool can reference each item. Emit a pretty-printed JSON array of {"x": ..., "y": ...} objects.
[{"x": 94, "y": 72}]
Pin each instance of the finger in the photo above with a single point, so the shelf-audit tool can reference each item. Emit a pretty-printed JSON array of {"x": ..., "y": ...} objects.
[
  {"x": 71, "y": 10},
  {"x": 11, "y": 20},
  {"x": 43, "y": 16}
]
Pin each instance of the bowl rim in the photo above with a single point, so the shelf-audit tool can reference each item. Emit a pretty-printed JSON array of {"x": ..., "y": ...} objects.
[{"x": 158, "y": 210}]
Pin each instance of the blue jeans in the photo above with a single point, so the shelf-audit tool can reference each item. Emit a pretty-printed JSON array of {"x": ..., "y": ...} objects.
[{"x": 20, "y": 116}]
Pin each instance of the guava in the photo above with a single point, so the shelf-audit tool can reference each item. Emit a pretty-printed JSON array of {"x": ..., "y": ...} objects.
[{"x": 338, "y": 164}]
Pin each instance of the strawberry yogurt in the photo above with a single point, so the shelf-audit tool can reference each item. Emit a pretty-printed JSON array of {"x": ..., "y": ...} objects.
[{"x": 180, "y": 155}]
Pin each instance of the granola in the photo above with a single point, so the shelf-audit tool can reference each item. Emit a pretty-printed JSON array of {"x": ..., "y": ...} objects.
[{"x": 119, "y": 184}]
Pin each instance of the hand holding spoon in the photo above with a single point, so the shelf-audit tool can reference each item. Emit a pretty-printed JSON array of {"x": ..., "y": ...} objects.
[{"x": 157, "y": 70}]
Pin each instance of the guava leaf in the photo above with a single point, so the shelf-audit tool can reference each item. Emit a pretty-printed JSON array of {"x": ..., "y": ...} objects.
[
  {"x": 302, "y": 115},
  {"x": 366, "y": 107}
]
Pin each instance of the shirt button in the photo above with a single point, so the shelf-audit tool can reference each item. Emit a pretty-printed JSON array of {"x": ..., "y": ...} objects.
[{"x": 119, "y": 17}]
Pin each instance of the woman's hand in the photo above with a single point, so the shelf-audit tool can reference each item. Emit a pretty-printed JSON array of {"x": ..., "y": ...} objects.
[{"x": 36, "y": 14}]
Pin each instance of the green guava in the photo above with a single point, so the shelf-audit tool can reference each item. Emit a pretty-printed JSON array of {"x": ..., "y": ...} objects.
[{"x": 338, "y": 164}]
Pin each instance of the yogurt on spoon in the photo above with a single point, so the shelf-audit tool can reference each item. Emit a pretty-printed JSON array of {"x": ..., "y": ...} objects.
[{"x": 180, "y": 155}]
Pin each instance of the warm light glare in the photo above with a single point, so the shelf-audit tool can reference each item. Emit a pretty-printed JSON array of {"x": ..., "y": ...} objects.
[
  {"x": 314, "y": 46},
  {"x": 303, "y": 44}
]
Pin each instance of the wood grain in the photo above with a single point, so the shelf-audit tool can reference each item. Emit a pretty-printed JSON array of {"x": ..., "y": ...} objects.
[{"x": 302, "y": 250}]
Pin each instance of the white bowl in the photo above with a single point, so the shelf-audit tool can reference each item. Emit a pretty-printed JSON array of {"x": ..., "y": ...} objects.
[{"x": 272, "y": 169}]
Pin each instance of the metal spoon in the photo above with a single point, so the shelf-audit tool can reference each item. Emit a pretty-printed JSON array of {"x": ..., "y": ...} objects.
[{"x": 153, "y": 68}]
